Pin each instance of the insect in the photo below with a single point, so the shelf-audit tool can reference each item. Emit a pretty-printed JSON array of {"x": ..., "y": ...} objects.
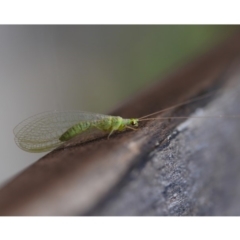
[{"x": 48, "y": 130}]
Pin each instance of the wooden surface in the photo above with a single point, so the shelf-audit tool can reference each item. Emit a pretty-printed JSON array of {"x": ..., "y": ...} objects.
[
  {"x": 194, "y": 171},
  {"x": 157, "y": 170}
]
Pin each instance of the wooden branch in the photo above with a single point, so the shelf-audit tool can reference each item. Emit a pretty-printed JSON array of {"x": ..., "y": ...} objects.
[{"x": 153, "y": 171}]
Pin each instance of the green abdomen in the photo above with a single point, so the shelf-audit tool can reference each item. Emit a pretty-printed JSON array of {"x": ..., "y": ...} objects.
[
  {"x": 106, "y": 125},
  {"x": 73, "y": 131}
]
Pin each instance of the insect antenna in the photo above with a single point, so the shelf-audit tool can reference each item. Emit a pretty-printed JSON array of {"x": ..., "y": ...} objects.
[
  {"x": 185, "y": 117},
  {"x": 179, "y": 104},
  {"x": 182, "y": 103}
]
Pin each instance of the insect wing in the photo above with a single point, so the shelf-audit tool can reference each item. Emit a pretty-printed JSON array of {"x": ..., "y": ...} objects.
[{"x": 41, "y": 132}]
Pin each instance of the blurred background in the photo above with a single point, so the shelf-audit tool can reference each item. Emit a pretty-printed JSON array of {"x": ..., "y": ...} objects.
[{"x": 90, "y": 68}]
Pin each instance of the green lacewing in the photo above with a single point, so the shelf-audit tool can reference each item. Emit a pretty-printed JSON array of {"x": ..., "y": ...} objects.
[{"x": 46, "y": 131}]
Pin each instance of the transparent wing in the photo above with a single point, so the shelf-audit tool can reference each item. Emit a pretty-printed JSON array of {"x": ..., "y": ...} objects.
[{"x": 41, "y": 132}]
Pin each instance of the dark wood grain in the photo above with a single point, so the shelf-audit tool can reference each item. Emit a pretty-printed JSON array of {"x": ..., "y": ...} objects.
[{"x": 97, "y": 178}]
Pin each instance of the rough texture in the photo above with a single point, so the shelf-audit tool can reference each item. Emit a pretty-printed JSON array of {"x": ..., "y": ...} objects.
[
  {"x": 196, "y": 172},
  {"x": 155, "y": 170}
]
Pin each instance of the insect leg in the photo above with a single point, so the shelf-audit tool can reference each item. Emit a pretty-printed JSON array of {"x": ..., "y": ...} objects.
[
  {"x": 134, "y": 129},
  {"x": 110, "y": 133}
]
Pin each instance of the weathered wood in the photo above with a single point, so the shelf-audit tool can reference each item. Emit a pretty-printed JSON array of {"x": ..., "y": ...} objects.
[
  {"x": 145, "y": 172},
  {"x": 194, "y": 171}
]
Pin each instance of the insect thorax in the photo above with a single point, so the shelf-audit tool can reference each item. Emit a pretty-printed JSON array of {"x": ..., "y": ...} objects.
[{"x": 110, "y": 123}]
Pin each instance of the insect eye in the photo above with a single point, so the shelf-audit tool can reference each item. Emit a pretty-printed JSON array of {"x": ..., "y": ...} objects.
[{"x": 134, "y": 123}]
